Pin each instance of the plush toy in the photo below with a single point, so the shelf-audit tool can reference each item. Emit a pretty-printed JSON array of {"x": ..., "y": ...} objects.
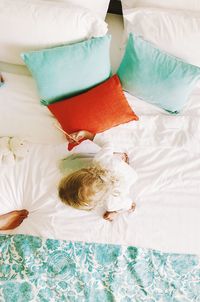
[
  {"x": 19, "y": 147},
  {"x": 12, "y": 149},
  {"x": 6, "y": 155}
]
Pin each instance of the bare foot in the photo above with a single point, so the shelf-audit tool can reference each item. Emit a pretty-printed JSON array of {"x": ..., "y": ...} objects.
[
  {"x": 110, "y": 215},
  {"x": 132, "y": 209},
  {"x": 123, "y": 156},
  {"x": 12, "y": 219}
]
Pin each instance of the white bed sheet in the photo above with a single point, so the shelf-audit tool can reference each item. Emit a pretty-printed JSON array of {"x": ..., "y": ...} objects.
[{"x": 163, "y": 149}]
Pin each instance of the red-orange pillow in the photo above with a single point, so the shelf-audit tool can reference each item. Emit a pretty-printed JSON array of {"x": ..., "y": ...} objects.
[{"x": 96, "y": 110}]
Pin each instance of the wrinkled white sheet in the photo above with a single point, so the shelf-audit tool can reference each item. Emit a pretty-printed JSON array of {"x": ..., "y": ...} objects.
[{"x": 163, "y": 149}]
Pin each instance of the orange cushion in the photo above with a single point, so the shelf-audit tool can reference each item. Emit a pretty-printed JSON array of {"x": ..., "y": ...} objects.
[{"x": 96, "y": 110}]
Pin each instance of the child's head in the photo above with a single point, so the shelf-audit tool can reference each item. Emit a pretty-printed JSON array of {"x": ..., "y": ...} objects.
[{"x": 80, "y": 188}]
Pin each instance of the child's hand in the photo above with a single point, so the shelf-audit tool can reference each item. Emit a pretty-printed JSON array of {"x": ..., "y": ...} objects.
[
  {"x": 110, "y": 215},
  {"x": 123, "y": 156},
  {"x": 80, "y": 135},
  {"x": 132, "y": 209},
  {"x": 1, "y": 79}
]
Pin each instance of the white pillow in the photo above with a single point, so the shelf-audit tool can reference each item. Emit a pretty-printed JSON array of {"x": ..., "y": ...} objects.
[
  {"x": 175, "y": 4},
  {"x": 22, "y": 115},
  {"x": 99, "y": 7},
  {"x": 30, "y": 25},
  {"x": 175, "y": 31}
]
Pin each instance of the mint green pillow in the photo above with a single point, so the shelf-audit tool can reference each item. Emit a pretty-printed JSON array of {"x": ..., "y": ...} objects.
[
  {"x": 155, "y": 76},
  {"x": 68, "y": 70}
]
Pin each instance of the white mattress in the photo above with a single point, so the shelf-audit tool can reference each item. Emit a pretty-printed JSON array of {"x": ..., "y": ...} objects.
[{"x": 163, "y": 149}]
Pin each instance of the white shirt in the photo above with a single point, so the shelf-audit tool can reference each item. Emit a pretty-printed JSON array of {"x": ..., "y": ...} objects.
[{"x": 118, "y": 197}]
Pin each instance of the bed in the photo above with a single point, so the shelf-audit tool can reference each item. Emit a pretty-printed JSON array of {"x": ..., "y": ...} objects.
[{"x": 62, "y": 254}]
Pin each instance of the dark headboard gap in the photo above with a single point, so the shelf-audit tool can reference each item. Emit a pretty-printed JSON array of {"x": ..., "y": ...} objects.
[{"x": 115, "y": 7}]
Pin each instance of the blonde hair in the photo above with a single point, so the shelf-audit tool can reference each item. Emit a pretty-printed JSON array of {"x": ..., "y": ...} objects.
[{"x": 78, "y": 188}]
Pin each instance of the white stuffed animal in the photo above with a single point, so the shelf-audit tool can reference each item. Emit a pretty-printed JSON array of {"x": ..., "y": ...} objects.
[
  {"x": 19, "y": 147},
  {"x": 6, "y": 155}
]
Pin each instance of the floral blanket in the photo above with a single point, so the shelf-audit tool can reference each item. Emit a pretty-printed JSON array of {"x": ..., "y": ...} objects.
[{"x": 35, "y": 269}]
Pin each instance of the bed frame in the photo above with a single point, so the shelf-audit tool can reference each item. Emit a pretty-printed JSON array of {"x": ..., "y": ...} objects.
[{"x": 115, "y": 7}]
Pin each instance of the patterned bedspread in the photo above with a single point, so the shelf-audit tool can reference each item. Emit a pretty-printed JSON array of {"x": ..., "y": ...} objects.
[{"x": 36, "y": 269}]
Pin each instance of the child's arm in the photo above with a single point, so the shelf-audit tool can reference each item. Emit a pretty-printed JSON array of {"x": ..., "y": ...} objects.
[{"x": 75, "y": 137}]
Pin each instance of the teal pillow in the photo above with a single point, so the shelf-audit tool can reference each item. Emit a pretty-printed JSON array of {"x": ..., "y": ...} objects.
[
  {"x": 155, "y": 76},
  {"x": 68, "y": 70}
]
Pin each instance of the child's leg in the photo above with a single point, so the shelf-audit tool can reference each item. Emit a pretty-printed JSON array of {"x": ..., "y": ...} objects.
[{"x": 12, "y": 219}]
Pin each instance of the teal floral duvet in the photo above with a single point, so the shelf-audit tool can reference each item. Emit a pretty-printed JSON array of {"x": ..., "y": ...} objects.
[{"x": 44, "y": 270}]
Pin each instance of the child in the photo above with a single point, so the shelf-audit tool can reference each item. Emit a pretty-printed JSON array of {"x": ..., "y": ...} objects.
[{"x": 98, "y": 178}]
